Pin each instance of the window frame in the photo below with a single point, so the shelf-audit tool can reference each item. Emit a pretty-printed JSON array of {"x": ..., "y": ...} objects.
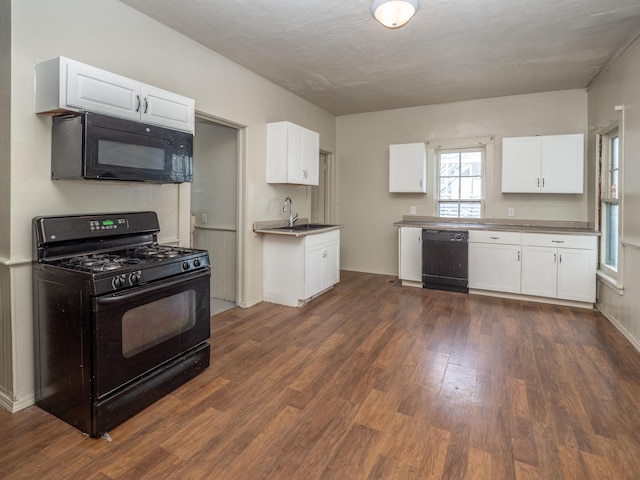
[
  {"x": 607, "y": 198},
  {"x": 480, "y": 147}
]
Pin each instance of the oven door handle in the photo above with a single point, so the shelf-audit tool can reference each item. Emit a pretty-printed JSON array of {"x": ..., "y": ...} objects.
[{"x": 146, "y": 289}]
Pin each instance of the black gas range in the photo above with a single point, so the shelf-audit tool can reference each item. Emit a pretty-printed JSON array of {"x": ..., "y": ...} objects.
[{"x": 134, "y": 312}]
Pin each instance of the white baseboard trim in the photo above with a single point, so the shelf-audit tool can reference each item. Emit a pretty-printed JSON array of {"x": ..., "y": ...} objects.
[
  {"x": 11, "y": 406},
  {"x": 620, "y": 328}
]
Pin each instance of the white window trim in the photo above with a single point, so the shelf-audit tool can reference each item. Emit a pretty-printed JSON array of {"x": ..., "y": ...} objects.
[
  {"x": 612, "y": 278},
  {"x": 434, "y": 146}
]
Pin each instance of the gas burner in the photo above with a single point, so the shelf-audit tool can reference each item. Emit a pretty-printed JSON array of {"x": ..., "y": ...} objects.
[{"x": 159, "y": 252}]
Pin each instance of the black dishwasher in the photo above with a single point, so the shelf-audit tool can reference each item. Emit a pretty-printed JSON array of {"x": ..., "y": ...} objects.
[{"x": 445, "y": 260}]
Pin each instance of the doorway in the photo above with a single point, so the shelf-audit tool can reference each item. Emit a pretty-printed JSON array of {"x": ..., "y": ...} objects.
[
  {"x": 214, "y": 207},
  {"x": 320, "y": 194}
]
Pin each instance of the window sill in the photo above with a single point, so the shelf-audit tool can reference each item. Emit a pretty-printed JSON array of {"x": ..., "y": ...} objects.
[{"x": 610, "y": 282}]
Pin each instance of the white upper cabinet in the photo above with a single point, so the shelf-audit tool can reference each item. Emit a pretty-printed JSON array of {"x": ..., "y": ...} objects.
[
  {"x": 63, "y": 84},
  {"x": 293, "y": 154},
  {"x": 543, "y": 164},
  {"x": 408, "y": 168}
]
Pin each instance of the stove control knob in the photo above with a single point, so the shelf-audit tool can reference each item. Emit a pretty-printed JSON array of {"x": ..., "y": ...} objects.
[
  {"x": 196, "y": 263},
  {"x": 134, "y": 278},
  {"x": 186, "y": 265},
  {"x": 118, "y": 282}
]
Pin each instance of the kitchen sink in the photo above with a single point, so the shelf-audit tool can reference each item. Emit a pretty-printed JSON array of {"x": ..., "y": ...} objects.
[{"x": 303, "y": 227}]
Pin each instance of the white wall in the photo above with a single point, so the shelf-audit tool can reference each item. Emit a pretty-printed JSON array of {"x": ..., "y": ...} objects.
[
  {"x": 112, "y": 36},
  {"x": 620, "y": 86},
  {"x": 368, "y": 210}
]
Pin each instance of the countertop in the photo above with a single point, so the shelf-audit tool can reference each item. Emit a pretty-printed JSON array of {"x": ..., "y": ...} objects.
[
  {"x": 528, "y": 226},
  {"x": 275, "y": 227}
]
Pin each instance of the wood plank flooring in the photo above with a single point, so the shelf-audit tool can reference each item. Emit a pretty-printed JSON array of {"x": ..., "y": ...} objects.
[{"x": 373, "y": 381}]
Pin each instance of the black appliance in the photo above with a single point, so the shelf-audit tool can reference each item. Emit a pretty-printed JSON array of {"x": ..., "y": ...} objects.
[
  {"x": 93, "y": 146},
  {"x": 445, "y": 260},
  {"x": 119, "y": 320}
]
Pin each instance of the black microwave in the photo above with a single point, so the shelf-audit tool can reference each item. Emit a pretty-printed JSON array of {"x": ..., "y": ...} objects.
[{"x": 94, "y": 146}]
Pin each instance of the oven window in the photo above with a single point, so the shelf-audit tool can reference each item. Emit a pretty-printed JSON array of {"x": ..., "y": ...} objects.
[
  {"x": 122, "y": 154},
  {"x": 148, "y": 325}
]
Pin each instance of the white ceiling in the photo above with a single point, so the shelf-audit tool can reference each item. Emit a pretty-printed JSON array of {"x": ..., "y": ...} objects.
[{"x": 335, "y": 55}]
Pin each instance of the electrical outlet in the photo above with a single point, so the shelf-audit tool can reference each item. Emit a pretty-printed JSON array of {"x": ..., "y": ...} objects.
[
  {"x": 413, "y": 210},
  {"x": 203, "y": 218},
  {"x": 511, "y": 212}
]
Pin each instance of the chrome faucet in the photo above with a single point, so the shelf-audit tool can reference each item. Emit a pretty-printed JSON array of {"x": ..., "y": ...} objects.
[{"x": 292, "y": 217}]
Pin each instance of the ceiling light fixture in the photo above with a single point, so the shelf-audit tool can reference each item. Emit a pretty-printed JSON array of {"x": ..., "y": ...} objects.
[{"x": 394, "y": 13}]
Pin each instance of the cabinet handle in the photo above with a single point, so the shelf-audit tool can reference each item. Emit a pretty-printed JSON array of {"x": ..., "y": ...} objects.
[
  {"x": 518, "y": 255},
  {"x": 494, "y": 238},
  {"x": 139, "y": 103},
  {"x": 555, "y": 258},
  {"x": 538, "y": 182},
  {"x": 560, "y": 258},
  {"x": 146, "y": 105},
  {"x": 542, "y": 182},
  {"x": 557, "y": 241}
]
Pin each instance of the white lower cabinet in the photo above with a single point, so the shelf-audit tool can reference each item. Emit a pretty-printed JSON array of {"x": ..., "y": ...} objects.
[
  {"x": 554, "y": 266},
  {"x": 410, "y": 254},
  {"x": 559, "y": 266},
  {"x": 295, "y": 269},
  {"x": 494, "y": 261}
]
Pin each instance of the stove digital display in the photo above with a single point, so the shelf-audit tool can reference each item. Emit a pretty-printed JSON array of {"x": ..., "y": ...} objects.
[{"x": 107, "y": 224}]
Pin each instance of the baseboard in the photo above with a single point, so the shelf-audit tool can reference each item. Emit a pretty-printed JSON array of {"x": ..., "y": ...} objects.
[
  {"x": 11, "y": 406},
  {"x": 620, "y": 328},
  {"x": 531, "y": 298}
]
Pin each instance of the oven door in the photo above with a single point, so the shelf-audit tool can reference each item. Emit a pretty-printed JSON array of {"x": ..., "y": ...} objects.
[{"x": 140, "y": 329}]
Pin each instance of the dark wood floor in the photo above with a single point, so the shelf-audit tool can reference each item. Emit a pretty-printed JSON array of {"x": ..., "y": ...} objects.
[{"x": 373, "y": 381}]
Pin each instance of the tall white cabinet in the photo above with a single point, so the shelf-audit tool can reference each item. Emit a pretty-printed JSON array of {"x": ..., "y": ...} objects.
[
  {"x": 543, "y": 164},
  {"x": 63, "y": 84}
]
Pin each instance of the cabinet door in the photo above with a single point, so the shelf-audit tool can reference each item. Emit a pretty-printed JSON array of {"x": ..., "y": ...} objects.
[
  {"x": 90, "y": 88},
  {"x": 494, "y": 267},
  {"x": 408, "y": 168},
  {"x": 313, "y": 270},
  {"x": 521, "y": 165},
  {"x": 562, "y": 163},
  {"x": 577, "y": 274},
  {"x": 539, "y": 271},
  {"x": 310, "y": 156},
  {"x": 410, "y": 254},
  {"x": 330, "y": 264},
  {"x": 167, "y": 109}
]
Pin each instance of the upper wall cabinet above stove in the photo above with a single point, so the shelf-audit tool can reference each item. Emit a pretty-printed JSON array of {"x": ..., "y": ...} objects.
[
  {"x": 543, "y": 164},
  {"x": 63, "y": 85},
  {"x": 293, "y": 154}
]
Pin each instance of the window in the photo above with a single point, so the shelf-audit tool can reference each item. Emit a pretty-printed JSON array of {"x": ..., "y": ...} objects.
[
  {"x": 609, "y": 209},
  {"x": 460, "y": 182}
]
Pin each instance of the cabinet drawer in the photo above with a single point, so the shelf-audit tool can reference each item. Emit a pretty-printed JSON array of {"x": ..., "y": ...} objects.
[
  {"x": 586, "y": 242},
  {"x": 494, "y": 236}
]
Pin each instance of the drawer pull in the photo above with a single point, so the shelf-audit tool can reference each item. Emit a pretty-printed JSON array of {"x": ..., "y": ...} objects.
[
  {"x": 557, "y": 241},
  {"x": 494, "y": 238}
]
